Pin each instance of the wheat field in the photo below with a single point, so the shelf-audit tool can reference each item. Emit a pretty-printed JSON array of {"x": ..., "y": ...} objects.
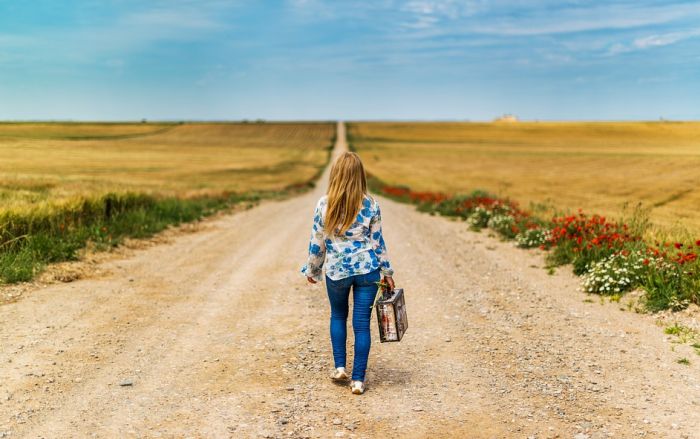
[
  {"x": 51, "y": 162},
  {"x": 64, "y": 186},
  {"x": 601, "y": 167}
]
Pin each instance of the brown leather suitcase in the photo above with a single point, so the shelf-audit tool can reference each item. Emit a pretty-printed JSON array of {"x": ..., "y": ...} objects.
[{"x": 391, "y": 316}]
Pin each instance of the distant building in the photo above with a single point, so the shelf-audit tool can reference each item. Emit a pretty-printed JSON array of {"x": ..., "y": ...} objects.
[{"x": 507, "y": 118}]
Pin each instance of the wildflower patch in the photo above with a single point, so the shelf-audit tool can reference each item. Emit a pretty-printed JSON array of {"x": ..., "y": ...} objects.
[{"x": 611, "y": 256}]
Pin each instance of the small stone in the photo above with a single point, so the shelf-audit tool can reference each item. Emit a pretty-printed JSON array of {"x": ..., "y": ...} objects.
[
  {"x": 77, "y": 380},
  {"x": 582, "y": 436},
  {"x": 448, "y": 339},
  {"x": 290, "y": 388},
  {"x": 126, "y": 383},
  {"x": 417, "y": 409},
  {"x": 337, "y": 421},
  {"x": 350, "y": 427}
]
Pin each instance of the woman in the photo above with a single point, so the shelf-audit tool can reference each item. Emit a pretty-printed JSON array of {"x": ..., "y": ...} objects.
[{"x": 347, "y": 237}]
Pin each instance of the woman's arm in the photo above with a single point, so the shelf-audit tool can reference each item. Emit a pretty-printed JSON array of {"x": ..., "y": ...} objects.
[
  {"x": 317, "y": 248},
  {"x": 375, "y": 233}
]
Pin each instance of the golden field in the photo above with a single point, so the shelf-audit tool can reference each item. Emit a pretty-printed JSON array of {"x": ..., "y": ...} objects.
[
  {"x": 66, "y": 186},
  {"x": 48, "y": 163},
  {"x": 600, "y": 167}
]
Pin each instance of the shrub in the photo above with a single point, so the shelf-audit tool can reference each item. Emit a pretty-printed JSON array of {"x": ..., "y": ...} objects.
[
  {"x": 503, "y": 224},
  {"x": 582, "y": 240},
  {"x": 479, "y": 218},
  {"x": 531, "y": 238},
  {"x": 671, "y": 285},
  {"x": 615, "y": 274},
  {"x": 455, "y": 206}
]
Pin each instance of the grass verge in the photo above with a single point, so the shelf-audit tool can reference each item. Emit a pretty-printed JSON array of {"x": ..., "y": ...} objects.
[{"x": 29, "y": 242}]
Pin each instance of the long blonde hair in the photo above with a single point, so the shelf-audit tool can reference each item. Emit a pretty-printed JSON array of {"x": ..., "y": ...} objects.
[{"x": 347, "y": 187}]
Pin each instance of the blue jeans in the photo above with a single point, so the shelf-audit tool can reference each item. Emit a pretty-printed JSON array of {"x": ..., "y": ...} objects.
[{"x": 364, "y": 289}]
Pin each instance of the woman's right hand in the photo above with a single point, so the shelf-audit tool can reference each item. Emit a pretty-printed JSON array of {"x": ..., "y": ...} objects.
[
  {"x": 389, "y": 282},
  {"x": 311, "y": 280}
]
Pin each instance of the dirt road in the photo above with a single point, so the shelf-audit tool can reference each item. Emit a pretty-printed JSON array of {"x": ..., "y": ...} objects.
[{"x": 216, "y": 334}]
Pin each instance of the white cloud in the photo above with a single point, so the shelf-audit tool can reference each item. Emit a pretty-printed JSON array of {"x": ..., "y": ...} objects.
[
  {"x": 606, "y": 17},
  {"x": 664, "y": 39},
  {"x": 422, "y": 19},
  {"x": 503, "y": 18},
  {"x": 618, "y": 48},
  {"x": 451, "y": 9},
  {"x": 425, "y": 14},
  {"x": 652, "y": 41}
]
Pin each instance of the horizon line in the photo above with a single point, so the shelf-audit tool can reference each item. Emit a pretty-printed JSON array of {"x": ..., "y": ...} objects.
[{"x": 371, "y": 120}]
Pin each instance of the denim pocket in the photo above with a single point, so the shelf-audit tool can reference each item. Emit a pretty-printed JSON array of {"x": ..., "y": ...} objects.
[
  {"x": 340, "y": 283},
  {"x": 370, "y": 278}
]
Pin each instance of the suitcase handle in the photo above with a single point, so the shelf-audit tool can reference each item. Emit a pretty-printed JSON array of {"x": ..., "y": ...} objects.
[{"x": 384, "y": 288}]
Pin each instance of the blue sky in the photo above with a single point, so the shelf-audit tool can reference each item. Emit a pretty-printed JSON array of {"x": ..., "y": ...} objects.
[{"x": 377, "y": 59}]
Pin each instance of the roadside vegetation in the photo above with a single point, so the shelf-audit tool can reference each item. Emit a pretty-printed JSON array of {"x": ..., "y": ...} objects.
[
  {"x": 63, "y": 186},
  {"x": 613, "y": 256}
]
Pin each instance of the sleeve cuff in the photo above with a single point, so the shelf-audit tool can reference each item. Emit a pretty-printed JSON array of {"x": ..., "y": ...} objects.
[{"x": 313, "y": 275}]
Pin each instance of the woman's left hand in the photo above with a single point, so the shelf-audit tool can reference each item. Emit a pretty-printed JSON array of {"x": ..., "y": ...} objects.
[{"x": 311, "y": 280}]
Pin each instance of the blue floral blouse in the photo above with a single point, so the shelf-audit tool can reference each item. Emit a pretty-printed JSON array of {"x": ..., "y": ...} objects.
[{"x": 360, "y": 250}]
